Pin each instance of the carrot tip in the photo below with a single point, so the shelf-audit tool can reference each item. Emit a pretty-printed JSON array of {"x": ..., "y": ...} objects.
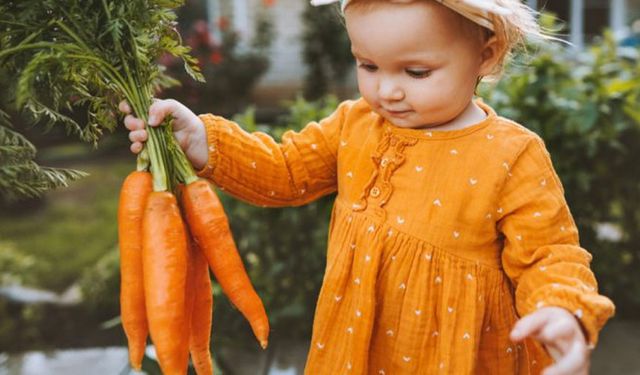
[{"x": 264, "y": 344}]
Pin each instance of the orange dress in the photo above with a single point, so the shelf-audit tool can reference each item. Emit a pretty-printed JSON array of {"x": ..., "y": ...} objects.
[{"x": 439, "y": 240}]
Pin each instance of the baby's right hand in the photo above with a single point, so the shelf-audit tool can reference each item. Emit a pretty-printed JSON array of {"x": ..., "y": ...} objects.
[{"x": 187, "y": 128}]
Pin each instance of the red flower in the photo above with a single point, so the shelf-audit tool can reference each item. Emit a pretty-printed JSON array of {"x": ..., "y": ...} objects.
[
  {"x": 215, "y": 57},
  {"x": 201, "y": 29},
  {"x": 268, "y": 3},
  {"x": 223, "y": 23}
]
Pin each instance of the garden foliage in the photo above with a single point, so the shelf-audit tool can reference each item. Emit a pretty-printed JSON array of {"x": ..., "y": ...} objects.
[
  {"x": 326, "y": 51},
  {"x": 85, "y": 55},
  {"x": 230, "y": 64},
  {"x": 586, "y": 106}
]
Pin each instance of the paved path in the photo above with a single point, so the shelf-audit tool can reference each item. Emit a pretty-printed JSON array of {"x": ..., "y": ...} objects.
[{"x": 617, "y": 353}]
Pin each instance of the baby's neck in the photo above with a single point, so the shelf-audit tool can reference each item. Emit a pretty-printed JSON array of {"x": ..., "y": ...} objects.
[{"x": 471, "y": 115}]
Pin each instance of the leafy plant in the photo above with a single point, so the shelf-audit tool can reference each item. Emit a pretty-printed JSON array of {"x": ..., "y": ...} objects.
[
  {"x": 20, "y": 175},
  {"x": 91, "y": 54},
  {"x": 15, "y": 267},
  {"x": 326, "y": 50},
  {"x": 585, "y": 106},
  {"x": 284, "y": 248},
  {"x": 230, "y": 65}
]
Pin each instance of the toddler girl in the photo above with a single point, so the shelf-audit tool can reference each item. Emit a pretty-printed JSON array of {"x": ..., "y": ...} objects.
[{"x": 451, "y": 247}]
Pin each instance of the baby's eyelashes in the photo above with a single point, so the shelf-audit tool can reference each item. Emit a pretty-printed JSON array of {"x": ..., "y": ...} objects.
[
  {"x": 368, "y": 67},
  {"x": 411, "y": 72},
  {"x": 418, "y": 73}
]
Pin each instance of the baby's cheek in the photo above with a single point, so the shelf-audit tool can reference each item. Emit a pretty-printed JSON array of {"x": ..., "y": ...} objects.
[{"x": 367, "y": 88}]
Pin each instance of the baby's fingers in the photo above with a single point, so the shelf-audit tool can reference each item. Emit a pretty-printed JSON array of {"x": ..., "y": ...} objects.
[
  {"x": 556, "y": 332},
  {"x": 574, "y": 362},
  {"x": 136, "y": 147},
  {"x": 133, "y": 123},
  {"x": 529, "y": 325},
  {"x": 124, "y": 107},
  {"x": 138, "y": 135}
]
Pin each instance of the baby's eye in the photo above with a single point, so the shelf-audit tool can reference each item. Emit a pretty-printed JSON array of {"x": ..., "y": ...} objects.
[
  {"x": 418, "y": 73},
  {"x": 368, "y": 67}
]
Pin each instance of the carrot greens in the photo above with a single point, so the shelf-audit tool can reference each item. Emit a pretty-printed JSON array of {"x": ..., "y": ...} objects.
[{"x": 91, "y": 54}]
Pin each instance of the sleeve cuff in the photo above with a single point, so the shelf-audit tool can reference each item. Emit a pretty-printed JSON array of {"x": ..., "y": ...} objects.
[{"x": 212, "y": 127}]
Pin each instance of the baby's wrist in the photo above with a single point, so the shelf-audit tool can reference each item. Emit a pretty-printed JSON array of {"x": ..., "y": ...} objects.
[{"x": 197, "y": 150}]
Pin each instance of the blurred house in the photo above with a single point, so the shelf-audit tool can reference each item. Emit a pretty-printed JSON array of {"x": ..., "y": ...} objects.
[
  {"x": 285, "y": 77},
  {"x": 585, "y": 20}
]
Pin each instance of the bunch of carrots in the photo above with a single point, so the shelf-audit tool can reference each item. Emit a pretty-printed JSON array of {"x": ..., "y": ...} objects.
[{"x": 168, "y": 243}]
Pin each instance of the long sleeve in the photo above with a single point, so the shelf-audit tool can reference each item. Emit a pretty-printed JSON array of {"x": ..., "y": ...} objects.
[
  {"x": 257, "y": 169},
  {"x": 542, "y": 255}
]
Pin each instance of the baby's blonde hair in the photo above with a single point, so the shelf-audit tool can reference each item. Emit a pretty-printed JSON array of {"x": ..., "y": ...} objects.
[{"x": 511, "y": 31}]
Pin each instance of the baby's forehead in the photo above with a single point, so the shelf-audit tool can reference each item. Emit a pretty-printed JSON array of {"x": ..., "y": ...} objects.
[
  {"x": 481, "y": 12},
  {"x": 414, "y": 24},
  {"x": 430, "y": 14}
]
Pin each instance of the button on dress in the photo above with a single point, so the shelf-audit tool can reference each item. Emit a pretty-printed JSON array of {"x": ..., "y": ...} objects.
[{"x": 439, "y": 241}]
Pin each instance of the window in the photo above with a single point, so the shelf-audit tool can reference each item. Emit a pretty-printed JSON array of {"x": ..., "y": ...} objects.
[
  {"x": 596, "y": 17},
  {"x": 587, "y": 19}
]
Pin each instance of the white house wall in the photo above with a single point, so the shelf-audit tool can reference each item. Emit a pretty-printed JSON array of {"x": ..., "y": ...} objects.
[{"x": 287, "y": 69}]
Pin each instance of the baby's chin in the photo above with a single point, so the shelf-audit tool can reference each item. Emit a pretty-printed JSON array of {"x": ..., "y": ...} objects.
[
  {"x": 408, "y": 123},
  {"x": 409, "y": 120}
]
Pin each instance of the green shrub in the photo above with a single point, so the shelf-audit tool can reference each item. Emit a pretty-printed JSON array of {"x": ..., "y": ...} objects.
[
  {"x": 100, "y": 286},
  {"x": 586, "y": 106},
  {"x": 283, "y": 248},
  {"x": 15, "y": 267},
  {"x": 326, "y": 50},
  {"x": 231, "y": 70}
]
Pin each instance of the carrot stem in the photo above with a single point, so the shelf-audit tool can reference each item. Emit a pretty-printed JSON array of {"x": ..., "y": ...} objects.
[
  {"x": 158, "y": 165},
  {"x": 142, "y": 161},
  {"x": 183, "y": 168}
]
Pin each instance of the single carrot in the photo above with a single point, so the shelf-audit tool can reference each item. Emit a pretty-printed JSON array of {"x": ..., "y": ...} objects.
[
  {"x": 165, "y": 265},
  {"x": 133, "y": 196},
  {"x": 201, "y": 315},
  {"x": 210, "y": 229}
]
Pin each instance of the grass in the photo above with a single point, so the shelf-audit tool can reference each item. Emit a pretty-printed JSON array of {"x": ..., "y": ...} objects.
[{"x": 72, "y": 228}]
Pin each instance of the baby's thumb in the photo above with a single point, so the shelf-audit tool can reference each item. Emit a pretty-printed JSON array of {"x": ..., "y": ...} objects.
[
  {"x": 161, "y": 109},
  {"x": 529, "y": 325}
]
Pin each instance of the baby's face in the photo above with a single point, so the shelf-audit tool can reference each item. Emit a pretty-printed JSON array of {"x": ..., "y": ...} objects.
[{"x": 418, "y": 62}]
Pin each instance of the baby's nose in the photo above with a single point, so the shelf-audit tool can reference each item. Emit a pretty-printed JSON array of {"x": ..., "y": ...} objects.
[{"x": 389, "y": 89}]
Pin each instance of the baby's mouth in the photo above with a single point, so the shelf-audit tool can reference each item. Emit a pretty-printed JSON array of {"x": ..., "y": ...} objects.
[{"x": 397, "y": 112}]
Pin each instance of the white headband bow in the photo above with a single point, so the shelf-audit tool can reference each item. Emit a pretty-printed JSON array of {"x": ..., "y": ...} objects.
[{"x": 478, "y": 11}]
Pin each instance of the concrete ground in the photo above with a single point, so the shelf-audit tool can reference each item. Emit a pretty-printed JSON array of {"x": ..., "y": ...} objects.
[{"x": 618, "y": 353}]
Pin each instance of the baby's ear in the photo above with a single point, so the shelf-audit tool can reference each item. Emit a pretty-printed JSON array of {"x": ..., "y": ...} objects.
[{"x": 491, "y": 55}]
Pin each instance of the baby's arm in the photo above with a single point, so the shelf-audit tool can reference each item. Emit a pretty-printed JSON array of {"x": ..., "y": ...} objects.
[
  {"x": 554, "y": 285},
  {"x": 252, "y": 166}
]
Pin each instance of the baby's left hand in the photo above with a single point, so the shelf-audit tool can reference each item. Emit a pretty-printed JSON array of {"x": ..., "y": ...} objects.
[{"x": 559, "y": 331}]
